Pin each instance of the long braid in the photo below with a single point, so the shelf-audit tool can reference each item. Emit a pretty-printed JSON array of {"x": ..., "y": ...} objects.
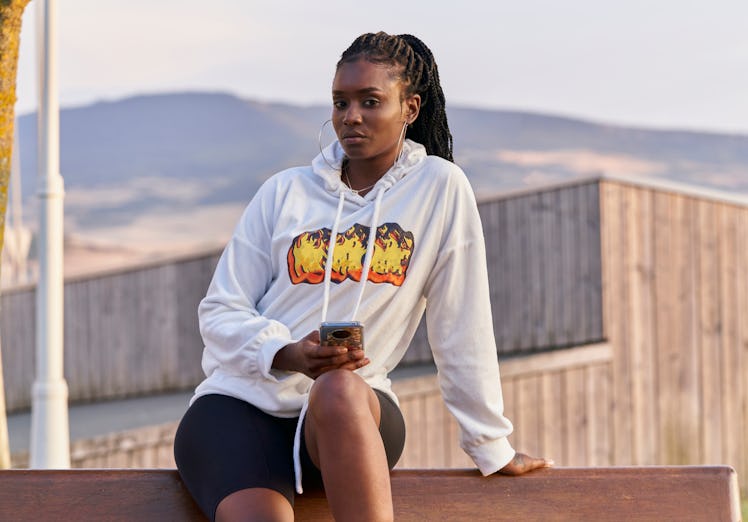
[{"x": 419, "y": 75}]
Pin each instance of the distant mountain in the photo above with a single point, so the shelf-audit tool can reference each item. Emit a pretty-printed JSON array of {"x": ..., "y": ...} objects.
[{"x": 172, "y": 154}]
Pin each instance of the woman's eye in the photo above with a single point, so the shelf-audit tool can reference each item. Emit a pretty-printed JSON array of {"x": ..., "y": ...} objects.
[
  {"x": 371, "y": 102},
  {"x": 338, "y": 104}
]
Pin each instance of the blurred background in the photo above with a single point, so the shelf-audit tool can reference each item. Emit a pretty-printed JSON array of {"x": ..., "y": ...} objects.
[{"x": 173, "y": 112}]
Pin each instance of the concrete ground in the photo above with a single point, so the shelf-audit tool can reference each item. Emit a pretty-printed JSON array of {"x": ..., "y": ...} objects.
[{"x": 100, "y": 418}]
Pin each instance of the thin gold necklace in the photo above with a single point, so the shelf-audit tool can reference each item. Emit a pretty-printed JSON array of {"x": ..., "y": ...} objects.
[{"x": 348, "y": 181}]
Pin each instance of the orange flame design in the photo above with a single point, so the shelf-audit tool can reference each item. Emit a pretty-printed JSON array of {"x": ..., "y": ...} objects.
[{"x": 393, "y": 249}]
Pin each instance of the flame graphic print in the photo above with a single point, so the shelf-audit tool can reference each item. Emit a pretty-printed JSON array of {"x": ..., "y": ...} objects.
[{"x": 393, "y": 248}]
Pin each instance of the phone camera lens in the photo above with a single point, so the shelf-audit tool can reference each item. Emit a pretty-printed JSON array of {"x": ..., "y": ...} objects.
[{"x": 341, "y": 334}]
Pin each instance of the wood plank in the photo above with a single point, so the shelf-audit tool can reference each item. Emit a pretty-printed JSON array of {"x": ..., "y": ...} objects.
[
  {"x": 598, "y": 415},
  {"x": 489, "y": 219},
  {"x": 617, "y": 317},
  {"x": 730, "y": 432},
  {"x": 670, "y": 231},
  {"x": 710, "y": 330},
  {"x": 554, "y": 418},
  {"x": 580, "y": 262},
  {"x": 567, "y": 260},
  {"x": 688, "y": 406},
  {"x": 522, "y": 297},
  {"x": 576, "y": 416},
  {"x": 641, "y": 310},
  {"x": 742, "y": 312},
  {"x": 549, "y": 267},
  {"x": 610, "y": 251},
  {"x": 93, "y": 317},
  {"x": 594, "y": 309},
  {"x": 500, "y": 284},
  {"x": 561, "y": 494},
  {"x": 530, "y": 420},
  {"x": 578, "y": 356},
  {"x": 434, "y": 433},
  {"x": 535, "y": 293},
  {"x": 414, "y": 453},
  {"x": 515, "y": 279}
]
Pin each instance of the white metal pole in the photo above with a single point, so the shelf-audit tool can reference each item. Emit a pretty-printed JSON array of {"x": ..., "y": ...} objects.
[{"x": 50, "y": 434}]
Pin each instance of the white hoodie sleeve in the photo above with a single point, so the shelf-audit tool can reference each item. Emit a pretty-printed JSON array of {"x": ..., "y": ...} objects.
[
  {"x": 238, "y": 339},
  {"x": 460, "y": 331}
]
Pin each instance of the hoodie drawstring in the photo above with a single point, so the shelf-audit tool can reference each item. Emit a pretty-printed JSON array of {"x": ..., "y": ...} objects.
[
  {"x": 369, "y": 251},
  {"x": 330, "y": 252},
  {"x": 326, "y": 300}
]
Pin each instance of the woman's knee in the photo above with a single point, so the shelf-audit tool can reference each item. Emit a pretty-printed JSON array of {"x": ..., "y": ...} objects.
[
  {"x": 341, "y": 393},
  {"x": 254, "y": 504}
]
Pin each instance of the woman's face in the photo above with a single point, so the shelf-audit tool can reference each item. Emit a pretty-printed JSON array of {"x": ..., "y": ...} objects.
[{"x": 369, "y": 110}]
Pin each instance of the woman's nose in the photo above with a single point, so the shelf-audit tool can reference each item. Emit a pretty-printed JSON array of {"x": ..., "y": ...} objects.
[{"x": 352, "y": 115}]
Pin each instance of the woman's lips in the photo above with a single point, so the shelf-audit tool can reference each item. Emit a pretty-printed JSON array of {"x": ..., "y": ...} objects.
[{"x": 353, "y": 138}]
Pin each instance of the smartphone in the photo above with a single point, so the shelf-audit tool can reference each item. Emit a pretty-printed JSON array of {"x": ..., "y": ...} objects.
[{"x": 344, "y": 333}]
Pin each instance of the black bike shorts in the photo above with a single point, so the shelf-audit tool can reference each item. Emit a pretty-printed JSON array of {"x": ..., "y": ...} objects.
[{"x": 224, "y": 445}]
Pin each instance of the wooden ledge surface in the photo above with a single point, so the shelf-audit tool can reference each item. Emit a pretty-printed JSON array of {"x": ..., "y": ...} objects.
[{"x": 694, "y": 493}]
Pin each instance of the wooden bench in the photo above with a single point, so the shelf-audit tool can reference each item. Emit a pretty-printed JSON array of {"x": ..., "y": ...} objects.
[{"x": 693, "y": 493}]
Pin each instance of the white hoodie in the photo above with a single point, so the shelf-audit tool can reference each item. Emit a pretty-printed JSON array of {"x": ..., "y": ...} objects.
[{"x": 272, "y": 287}]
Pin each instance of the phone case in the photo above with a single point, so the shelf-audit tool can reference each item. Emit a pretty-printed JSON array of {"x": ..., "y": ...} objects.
[{"x": 349, "y": 334}]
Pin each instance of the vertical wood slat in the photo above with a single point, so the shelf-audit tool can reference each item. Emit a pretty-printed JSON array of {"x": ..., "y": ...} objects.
[
  {"x": 614, "y": 227},
  {"x": 671, "y": 228},
  {"x": 528, "y": 402},
  {"x": 568, "y": 272},
  {"x": 549, "y": 271},
  {"x": 576, "y": 418},
  {"x": 580, "y": 264},
  {"x": 741, "y": 285},
  {"x": 640, "y": 347},
  {"x": 732, "y": 437},
  {"x": 435, "y": 442},
  {"x": 593, "y": 284},
  {"x": 598, "y": 400},
  {"x": 535, "y": 259},
  {"x": 503, "y": 301},
  {"x": 512, "y": 314},
  {"x": 554, "y": 417},
  {"x": 710, "y": 331}
]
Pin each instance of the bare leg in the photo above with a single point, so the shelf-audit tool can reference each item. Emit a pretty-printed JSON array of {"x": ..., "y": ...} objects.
[
  {"x": 256, "y": 505},
  {"x": 343, "y": 440}
]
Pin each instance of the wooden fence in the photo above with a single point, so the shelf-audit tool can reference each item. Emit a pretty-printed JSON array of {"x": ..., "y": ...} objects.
[
  {"x": 126, "y": 333},
  {"x": 135, "y": 331},
  {"x": 675, "y": 281},
  {"x": 558, "y": 402},
  {"x": 621, "y": 317}
]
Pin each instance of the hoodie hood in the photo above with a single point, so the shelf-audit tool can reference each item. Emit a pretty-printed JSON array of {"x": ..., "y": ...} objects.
[{"x": 329, "y": 161}]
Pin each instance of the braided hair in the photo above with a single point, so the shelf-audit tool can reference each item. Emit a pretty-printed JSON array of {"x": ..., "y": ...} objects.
[{"x": 419, "y": 75}]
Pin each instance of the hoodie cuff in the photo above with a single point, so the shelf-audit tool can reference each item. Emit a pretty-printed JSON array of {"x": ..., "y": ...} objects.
[
  {"x": 266, "y": 355},
  {"x": 492, "y": 456}
]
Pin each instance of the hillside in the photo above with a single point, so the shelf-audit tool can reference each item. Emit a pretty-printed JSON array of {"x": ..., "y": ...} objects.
[{"x": 176, "y": 169}]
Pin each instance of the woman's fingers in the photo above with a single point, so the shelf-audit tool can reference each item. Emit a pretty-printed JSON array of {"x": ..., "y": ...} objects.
[{"x": 351, "y": 360}]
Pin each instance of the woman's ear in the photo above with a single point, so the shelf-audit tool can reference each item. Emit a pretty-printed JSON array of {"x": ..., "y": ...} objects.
[{"x": 412, "y": 108}]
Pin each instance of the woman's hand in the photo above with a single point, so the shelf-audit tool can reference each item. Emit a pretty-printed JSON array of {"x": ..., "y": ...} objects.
[
  {"x": 309, "y": 357},
  {"x": 521, "y": 463}
]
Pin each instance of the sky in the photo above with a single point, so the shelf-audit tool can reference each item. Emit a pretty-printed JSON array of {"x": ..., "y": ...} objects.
[{"x": 648, "y": 63}]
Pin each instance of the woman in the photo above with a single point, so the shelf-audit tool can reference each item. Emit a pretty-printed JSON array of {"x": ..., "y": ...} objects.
[{"x": 277, "y": 406}]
